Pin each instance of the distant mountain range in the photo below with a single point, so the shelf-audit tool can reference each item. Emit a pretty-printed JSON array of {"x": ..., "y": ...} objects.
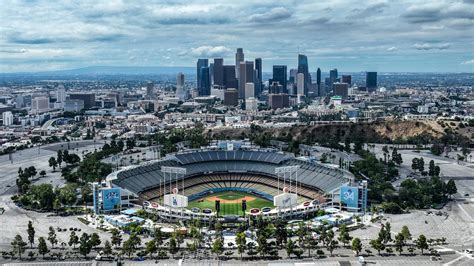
[{"x": 110, "y": 70}]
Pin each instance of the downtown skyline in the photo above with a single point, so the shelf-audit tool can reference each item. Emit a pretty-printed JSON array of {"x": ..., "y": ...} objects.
[{"x": 407, "y": 36}]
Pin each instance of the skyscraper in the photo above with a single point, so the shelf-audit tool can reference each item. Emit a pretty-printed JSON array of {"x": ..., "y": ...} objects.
[
  {"x": 280, "y": 75},
  {"x": 229, "y": 77},
  {"x": 218, "y": 71},
  {"x": 371, "y": 81},
  {"x": 239, "y": 57},
  {"x": 249, "y": 90},
  {"x": 346, "y": 79},
  {"x": 180, "y": 93},
  {"x": 300, "y": 81},
  {"x": 318, "y": 82},
  {"x": 245, "y": 76},
  {"x": 303, "y": 68},
  {"x": 205, "y": 78},
  {"x": 341, "y": 89},
  {"x": 61, "y": 95},
  {"x": 200, "y": 64},
  {"x": 150, "y": 89},
  {"x": 332, "y": 76},
  {"x": 258, "y": 77}
]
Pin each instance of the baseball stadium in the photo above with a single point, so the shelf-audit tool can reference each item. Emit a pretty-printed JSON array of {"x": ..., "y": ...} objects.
[{"x": 223, "y": 180}]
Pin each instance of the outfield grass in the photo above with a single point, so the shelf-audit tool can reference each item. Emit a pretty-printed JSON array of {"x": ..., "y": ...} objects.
[{"x": 230, "y": 208}]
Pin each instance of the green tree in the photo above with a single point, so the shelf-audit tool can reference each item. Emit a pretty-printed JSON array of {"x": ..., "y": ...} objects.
[
  {"x": 414, "y": 164},
  {"x": 406, "y": 233},
  {"x": 73, "y": 240},
  {"x": 344, "y": 236},
  {"x": 53, "y": 163},
  {"x": 377, "y": 244},
  {"x": 85, "y": 246},
  {"x": 399, "y": 243},
  {"x": 421, "y": 243},
  {"x": 95, "y": 240},
  {"x": 173, "y": 246},
  {"x": 356, "y": 245},
  {"x": 241, "y": 242},
  {"x": 116, "y": 237},
  {"x": 431, "y": 168},
  {"x": 217, "y": 247},
  {"x": 52, "y": 238},
  {"x": 107, "y": 250},
  {"x": 31, "y": 233},
  {"x": 151, "y": 248},
  {"x": 59, "y": 160},
  {"x": 18, "y": 245},
  {"x": 451, "y": 188},
  {"x": 281, "y": 234},
  {"x": 290, "y": 247},
  {"x": 128, "y": 247},
  {"x": 421, "y": 164},
  {"x": 333, "y": 244},
  {"x": 42, "y": 247}
]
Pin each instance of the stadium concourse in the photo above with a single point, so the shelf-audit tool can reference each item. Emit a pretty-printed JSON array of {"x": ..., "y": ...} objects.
[{"x": 246, "y": 171}]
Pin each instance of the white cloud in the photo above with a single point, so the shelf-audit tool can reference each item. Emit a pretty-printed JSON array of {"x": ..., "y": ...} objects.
[
  {"x": 468, "y": 62},
  {"x": 274, "y": 14},
  {"x": 391, "y": 49},
  {"x": 210, "y": 51},
  {"x": 431, "y": 46}
]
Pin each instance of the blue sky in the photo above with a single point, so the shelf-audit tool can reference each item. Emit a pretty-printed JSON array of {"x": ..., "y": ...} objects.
[{"x": 412, "y": 36}]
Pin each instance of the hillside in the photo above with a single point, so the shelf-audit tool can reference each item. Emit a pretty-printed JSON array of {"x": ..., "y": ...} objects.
[{"x": 380, "y": 132}]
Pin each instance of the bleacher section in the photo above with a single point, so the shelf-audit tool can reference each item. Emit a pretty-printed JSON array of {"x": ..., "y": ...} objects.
[
  {"x": 209, "y": 169},
  {"x": 215, "y": 182}
]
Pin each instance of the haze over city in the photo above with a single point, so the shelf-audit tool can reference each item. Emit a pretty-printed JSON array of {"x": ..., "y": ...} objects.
[{"x": 384, "y": 36}]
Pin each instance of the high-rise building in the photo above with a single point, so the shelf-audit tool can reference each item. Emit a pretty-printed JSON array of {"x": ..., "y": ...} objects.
[
  {"x": 341, "y": 89},
  {"x": 300, "y": 81},
  {"x": 280, "y": 100},
  {"x": 211, "y": 73},
  {"x": 275, "y": 87},
  {"x": 150, "y": 90},
  {"x": 258, "y": 77},
  {"x": 88, "y": 98},
  {"x": 180, "y": 92},
  {"x": 229, "y": 77},
  {"x": 293, "y": 73},
  {"x": 251, "y": 104},
  {"x": 371, "y": 81},
  {"x": 200, "y": 64},
  {"x": 40, "y": 104},
  {"x": 61, "y": 94},
  {"x": 249, "y": 90},
  {"x": 346, "y": 79},
  {"x": 7, "y": 118},
  {"x": 245, "y": 76},
  {"x": 304, "y": 68},
  {"x": 205, "y": 78},
  {"x": 280, "y": 75},
  {"x": 239, "y": 57},
  {"x": 19, "y": 101},
  {"x": 231, "y": 97},
  {"x": 218, "y": 71},
  {"x": 318, "y": 82},
  {"x": 332, "y": 76}
]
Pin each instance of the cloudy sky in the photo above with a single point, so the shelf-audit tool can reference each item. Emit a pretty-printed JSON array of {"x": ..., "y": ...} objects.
[{"x": 402, "y": 35}]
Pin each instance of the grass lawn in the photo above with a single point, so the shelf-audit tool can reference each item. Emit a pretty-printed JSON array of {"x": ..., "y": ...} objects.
[{"x": 230, "y": 208}]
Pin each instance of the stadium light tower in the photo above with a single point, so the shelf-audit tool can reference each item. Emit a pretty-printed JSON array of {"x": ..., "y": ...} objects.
[
  {"x": 176, "y": 172},
  {"x": 287, "y": 199},
  {"x": 173, "y": 199},
  {"x": 287, "y": 172}
]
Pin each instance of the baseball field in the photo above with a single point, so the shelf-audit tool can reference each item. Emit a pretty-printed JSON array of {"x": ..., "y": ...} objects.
[{"x": 231, "y": 202}]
